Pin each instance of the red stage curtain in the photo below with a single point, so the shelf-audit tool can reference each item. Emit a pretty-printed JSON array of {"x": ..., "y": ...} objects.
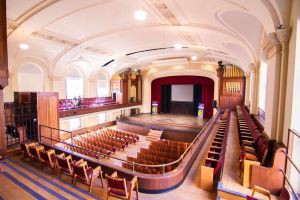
[{"x": 207, "y": 89}]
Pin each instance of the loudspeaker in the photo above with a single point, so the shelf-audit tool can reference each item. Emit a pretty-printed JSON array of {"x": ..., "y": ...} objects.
[{"x": 214, "y": 103}]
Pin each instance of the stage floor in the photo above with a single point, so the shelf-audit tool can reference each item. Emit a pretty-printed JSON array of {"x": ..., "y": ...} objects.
[{"x": 182, "y": 123}]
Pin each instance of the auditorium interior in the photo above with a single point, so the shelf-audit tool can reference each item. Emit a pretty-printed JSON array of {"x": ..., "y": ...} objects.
[{"x": 150, "y": 99}]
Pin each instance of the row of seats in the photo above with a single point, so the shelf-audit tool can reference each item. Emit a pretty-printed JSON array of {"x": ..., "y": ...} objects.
[
  {"x": 79, "y": 170},
  {"x": 215, "y": 158},
  {"x": 254, "y": 146},
  {"x": 159, "y": 152},
  {"x": 67, "y": 104},
  {"x": 216, "y": 154}
]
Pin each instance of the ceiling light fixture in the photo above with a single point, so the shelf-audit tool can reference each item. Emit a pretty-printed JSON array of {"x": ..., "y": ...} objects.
[
  {"x": 24, "y": 46},
  {"x": 178, "y": 46},
  {"x": 194, "y": 58},
  {"x": 140, "y": 15}
]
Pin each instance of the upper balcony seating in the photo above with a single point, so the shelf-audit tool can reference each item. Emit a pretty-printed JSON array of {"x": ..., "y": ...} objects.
[
  {"x": 63, "y": 163},
  {"x": 85, "y": 174},
  {"x": 78, "y": 170},
  {"x": 66, "y": 104},
  {"x": 159, "y": 152},
  {"x": 216, "y": 154},
  {"x": 120, "y": 187},
  {"x": 260, "y": 159},
  {"x": 47, "y": 159}
]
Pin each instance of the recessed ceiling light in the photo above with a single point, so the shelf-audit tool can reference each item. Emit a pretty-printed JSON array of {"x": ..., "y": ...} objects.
[
  {"x": 23, "y": 46},
  {"x": 194, "y": 58},
  {"x": 140, "y": 15},
  {"x": 178, "y": 46}
]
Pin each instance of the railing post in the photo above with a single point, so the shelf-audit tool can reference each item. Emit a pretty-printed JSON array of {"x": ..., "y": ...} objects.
[
  {"x": 133, "y": 167},
  {"x": 181, "y": 157},
  {"x": 40, "y": 133},
  {"x": 164, "y": 166},
  {"x": 51, "y": 137}
]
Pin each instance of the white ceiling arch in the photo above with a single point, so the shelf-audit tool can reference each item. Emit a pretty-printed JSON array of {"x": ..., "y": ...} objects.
[{"x": 103, "y": 30}]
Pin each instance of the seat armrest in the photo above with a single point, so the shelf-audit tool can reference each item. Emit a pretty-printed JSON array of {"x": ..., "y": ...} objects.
[
  {"x": 133, "y": 181},
  {"x": 250, "y": 157},
  {"x": 211, "y": 159},
  {"x": 249, "y": 149},
  {"x": 115, "y": 175},
  {"x": 213, "y": 152}
]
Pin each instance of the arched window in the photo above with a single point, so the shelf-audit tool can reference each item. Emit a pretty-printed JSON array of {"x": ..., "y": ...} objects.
[
  {"x": 30, "y": 78},
  {"x": 102, "y": 85},
  {"x": 74, "y": 84},
  {"x": 262, "y": 84}
]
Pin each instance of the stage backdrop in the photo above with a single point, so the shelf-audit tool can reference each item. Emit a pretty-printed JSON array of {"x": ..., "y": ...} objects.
[{"x": 206, "y": 85}]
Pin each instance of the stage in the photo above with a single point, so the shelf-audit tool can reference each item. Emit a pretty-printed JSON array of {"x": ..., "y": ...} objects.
[{"x": 175, "y": 127}]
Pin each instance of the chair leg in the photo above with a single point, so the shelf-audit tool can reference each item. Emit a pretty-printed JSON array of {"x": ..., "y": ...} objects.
[
  {"x": 107, "y": 196},
  {"x": 137, "y": 190},
  {"x": 90, "y": 186}
]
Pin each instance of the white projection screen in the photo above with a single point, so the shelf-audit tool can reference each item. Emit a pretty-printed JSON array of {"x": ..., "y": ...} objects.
[{"x": 183, "y": 93}]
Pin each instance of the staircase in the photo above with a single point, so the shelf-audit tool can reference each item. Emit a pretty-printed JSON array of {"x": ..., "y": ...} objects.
[{"x": 154, "y": 135}]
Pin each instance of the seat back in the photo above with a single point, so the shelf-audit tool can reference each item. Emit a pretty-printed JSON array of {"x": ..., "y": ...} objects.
[
  {"x": 64, "y": 164},
  {"x": 44, "y": 156},
  {"x": 80, "y": 171},
  {"x": 117, "y": 186},
  {"x": 33, "y": 151}
]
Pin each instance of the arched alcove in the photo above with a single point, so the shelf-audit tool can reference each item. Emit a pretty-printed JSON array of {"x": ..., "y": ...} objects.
[
  {"x": 30, "y": 78},
  {"x": 102, "y": 82}
]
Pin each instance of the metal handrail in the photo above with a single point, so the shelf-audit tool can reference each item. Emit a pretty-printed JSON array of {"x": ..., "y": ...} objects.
[
  {"x": 289, "y": 183},
  {"x": 133, "y": 163},
  {"x": 288, "y": 157}
]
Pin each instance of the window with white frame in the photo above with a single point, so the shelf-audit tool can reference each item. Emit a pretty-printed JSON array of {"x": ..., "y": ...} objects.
[
  {"x": 74, "y": 124},
  {"x": 262, "y": 85},
  {"x": 102, "y": 118}
]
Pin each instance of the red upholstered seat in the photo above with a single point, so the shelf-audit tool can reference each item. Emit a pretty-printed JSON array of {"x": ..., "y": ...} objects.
[{"x": 120, "y": 187}]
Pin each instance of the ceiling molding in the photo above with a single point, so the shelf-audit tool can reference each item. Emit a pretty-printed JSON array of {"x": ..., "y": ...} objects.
[{"x": 54, "y": 38}]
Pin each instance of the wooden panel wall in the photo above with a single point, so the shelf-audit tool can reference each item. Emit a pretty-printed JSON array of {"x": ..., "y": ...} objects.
[
  {"x": 48, "y": 115},
  {"x": 3, "y": 74},
  {"x": 231, "y": 99}
]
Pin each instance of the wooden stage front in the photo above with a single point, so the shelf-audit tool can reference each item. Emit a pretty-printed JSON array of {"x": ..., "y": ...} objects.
[{"x": 183, "y": 128}]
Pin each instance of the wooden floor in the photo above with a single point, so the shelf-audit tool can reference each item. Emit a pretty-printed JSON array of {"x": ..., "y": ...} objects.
[
  {"x": 231, "y": 174},
  {"x": 182, "y": 123},
  {"x": 22, "y": 180}
]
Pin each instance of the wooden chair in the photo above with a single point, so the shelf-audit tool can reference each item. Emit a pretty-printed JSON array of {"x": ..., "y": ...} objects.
[
  {"x": 34, "y": 152},
  {"x": 120, "y": 187},
  {"x": 85, "y": 174},
  {"x": 47, "y": 158},
  {"x": 25, "y": 149},
  {"x": 64, "y": 164}
]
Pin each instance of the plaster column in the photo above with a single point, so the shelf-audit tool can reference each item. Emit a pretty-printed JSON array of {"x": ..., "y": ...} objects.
[
  {"x": 247, "y": 89},
  {"x": 273, "y": 47},
  {"x": 254, "y": 90},
  {"x": 283, "y": 36}
]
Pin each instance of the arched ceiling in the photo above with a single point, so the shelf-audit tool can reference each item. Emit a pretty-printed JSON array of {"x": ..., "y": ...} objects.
[{"x": 92, "y": 33}]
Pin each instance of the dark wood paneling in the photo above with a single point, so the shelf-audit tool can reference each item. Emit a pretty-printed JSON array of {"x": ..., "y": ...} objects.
[
  {"x": 48, "y": 115},
  {"x": 3, "y": 73},
  {"x": 2, "y": 126},
  {"x": 230, "y": 100},
  {"x": 178, "y": 136},
  {"x": 185, "y": 108}
]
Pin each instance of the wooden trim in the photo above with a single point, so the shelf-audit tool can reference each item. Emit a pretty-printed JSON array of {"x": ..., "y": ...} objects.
[{"x": 83, "y": 111}]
